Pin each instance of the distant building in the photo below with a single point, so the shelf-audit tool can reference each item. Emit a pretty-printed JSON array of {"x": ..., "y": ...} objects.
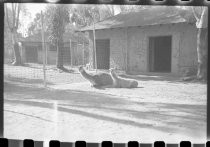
[
  {"x": 32, "y": 51},
  {"x": 159, "y": 39},
  {"x": 8, "y": 45}
]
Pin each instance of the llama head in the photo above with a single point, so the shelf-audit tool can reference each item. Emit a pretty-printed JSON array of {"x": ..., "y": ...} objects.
[
  {"x": 111, "y": 70},
  {"x": 81, "y": 69}
]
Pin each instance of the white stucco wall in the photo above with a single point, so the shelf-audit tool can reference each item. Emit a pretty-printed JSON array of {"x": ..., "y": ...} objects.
[
  {"x": 183, "y": 45},
  {"x": 136, "y": 40},
  {"x": 117, "y": 45}
]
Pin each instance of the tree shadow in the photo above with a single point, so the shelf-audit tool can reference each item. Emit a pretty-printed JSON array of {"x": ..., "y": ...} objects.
[
  {"x": 39, "y": 66},
  {"x": 111, "y": 87},
  {"x": 29, "y": 115},
  {"x": 8, "y": 80},
  {"x": 159, "y": 77},
  {"x": 64, "y": 69},
  {"x": 188, "y": 122},
  {"x": 171, "y": 115},
  {"x": 30, "y": 66},
  {"x": 75, "y": 96}
]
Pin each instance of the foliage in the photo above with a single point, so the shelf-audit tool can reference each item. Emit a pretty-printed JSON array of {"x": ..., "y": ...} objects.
[
  {"x": 12, "y": 24},
  {"x": 85, "y": 15},
  {"x": 132, "y": 8},
  {"x": 80, "y": 15},
  {"x": 35, "y": 25},
  {"x": 7, "y": 40},
  {"x": 13, "y": 12},
  {"x": 59, "y": 20}
]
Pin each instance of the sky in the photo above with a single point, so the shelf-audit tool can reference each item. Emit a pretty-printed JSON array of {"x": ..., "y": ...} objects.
[
  {"x": 25, "y": 20},
  {"x": 33, "y": 9}
]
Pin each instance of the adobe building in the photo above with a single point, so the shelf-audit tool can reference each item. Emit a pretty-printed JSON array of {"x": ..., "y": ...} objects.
[
  {"x": 159, "y": 39},
  {"x": 73, "y": 50}
]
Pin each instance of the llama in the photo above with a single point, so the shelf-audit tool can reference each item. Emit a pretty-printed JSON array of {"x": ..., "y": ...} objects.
[
  {"x": 107, "y": 80},
  {"x": 97, "y": 80},
  {"x": 119, "y": 82}
]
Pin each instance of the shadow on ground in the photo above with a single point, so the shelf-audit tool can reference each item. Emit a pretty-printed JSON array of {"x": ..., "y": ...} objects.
[
  {"x": 27, "y": 66},
  {"x": 24, "y": 81},
  {"x": 171, "y": 116},
  {"x": 159, "y": 77}
]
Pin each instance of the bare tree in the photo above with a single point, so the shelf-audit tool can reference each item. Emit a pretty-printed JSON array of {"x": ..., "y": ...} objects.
[
  {"x": 130, "y": 8},
  {"x": 35, "y": 26},
  {"x": 13, "y": 24},
  {"x": 201, "y": 17},
  {"x": 60, "y": 18},
  {"x": 106, "y": 11}
]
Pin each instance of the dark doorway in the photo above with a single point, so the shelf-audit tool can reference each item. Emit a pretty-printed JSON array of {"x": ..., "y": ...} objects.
[
  {"x": 160, "y": 54},
  {"x": 66, "y": 55},
  {"x": 103, "y": 53},
  {"x": 31, "y": 54}
]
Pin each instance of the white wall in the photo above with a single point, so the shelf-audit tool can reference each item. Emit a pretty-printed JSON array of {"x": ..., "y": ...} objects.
[{"x": 135, "y": 39}]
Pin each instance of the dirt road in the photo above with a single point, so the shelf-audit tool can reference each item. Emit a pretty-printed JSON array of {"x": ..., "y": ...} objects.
[{"x": 160, "y": 108}]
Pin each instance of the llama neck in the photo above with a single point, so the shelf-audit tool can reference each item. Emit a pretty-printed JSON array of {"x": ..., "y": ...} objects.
[
  {"x": 114, "y": 76},
  {"x": 86, "y": 75}
]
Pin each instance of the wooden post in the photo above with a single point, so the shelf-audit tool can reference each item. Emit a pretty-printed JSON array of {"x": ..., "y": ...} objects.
[
  {"x": 75, "y": 53},
  {"x": 126, "y": 51},
  {"x": 56, "y": 52},
  {"x": 44, "y": 51},
  {"x": 94, "y": 42},
  {"x": 21, "y": 52},
  {"x": 71, "y": 52},
  {"x": 83, "y": 53}
]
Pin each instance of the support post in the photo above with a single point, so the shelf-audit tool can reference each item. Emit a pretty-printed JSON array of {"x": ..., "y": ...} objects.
[
  {"x": 44, "y": 51},
  {"x": 76, "y": 53},
  {"x": 126, "y": 51},
  {"x": 94, "y": 41},
  {"x": 83, "y": 52},
  {"x": 71, "y": 52}
]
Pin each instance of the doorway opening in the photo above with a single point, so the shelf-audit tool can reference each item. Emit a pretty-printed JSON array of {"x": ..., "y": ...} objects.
[
  {"x": 103, "y": 53},
  {"x": 160, "y": 54},
  {"x": 31, "y": 53}
]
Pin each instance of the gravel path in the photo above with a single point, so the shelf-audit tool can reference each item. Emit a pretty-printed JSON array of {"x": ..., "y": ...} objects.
[{"x": 161, "y": 108}]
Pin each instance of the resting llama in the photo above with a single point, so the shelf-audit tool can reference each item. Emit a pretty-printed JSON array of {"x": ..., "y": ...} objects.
[
  {"x": 107, "y": 80},
  {"x": 119, "y": 82}
]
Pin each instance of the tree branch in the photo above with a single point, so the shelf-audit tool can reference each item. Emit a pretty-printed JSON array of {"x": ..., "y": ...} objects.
[
  {"x": 13, "y": 15},
  {"x": 17, "y": 19},
  {"x": 7, "y": 18},
  {"x": 15, "y": 8},
  {"x": 195, "y": 14}
]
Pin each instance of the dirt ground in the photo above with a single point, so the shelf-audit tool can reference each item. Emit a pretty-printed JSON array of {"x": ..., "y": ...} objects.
[{"x": 161, "y": 108}]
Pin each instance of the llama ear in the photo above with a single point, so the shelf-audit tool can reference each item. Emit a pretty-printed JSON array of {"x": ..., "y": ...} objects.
[{"x": 80, "y": 67}]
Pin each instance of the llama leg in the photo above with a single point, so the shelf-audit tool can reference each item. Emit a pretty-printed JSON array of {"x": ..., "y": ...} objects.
[
  {"x": 115, "y": 79},
  {"x": 108, "y": 86},
  {"x": 96, "y": 86}
]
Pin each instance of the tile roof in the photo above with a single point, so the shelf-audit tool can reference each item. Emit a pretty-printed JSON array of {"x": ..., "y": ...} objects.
[{"x": 150, "y": 16}]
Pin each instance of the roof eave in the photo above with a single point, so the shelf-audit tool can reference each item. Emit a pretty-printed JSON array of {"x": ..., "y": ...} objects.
[{"x": 134, "y": 26}]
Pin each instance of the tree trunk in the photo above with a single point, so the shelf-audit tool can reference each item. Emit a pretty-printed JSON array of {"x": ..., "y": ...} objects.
[
  {"x": 16, "y": 49},
  {"x": 202, "y": 53},
  {"x": 59, "y": 63},
  {"x": 202, "y": 40}
]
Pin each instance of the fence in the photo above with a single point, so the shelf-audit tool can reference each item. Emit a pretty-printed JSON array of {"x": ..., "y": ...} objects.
[{"x": 31, "y": 71}]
